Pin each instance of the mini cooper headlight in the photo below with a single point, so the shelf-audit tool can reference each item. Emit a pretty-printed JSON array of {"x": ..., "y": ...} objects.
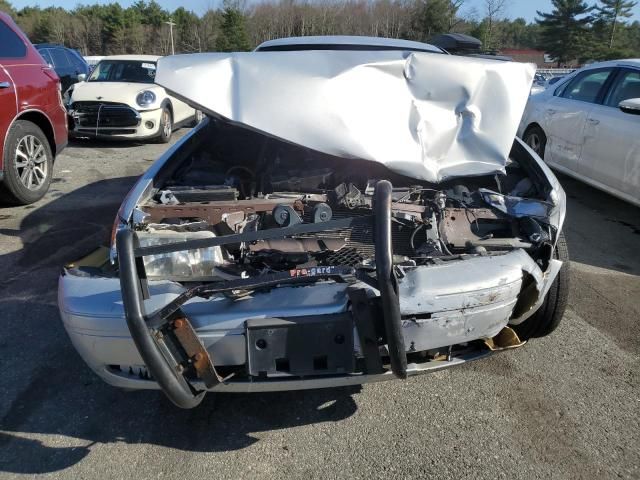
[{"x": 145, "y": 98}]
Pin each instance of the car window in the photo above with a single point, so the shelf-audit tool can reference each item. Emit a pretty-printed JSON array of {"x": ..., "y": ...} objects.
[
  {"x": 124, "y": 71},
  {"x": 11, "y": 45},
  {"x": 627, "y": 86},
  {"x": 74, "y": 61},
  {"x": 60, "y": 60},
  {"x": 586, "y": 86},
  {"x": 44, "y": 53}
]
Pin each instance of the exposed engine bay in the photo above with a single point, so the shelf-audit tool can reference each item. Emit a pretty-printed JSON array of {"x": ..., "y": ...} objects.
[{"x": 221, "y": 190}]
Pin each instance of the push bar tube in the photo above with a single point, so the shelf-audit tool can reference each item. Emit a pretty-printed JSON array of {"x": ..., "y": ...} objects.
[
  {"x": 387, "y": 282},
  {"x": 145, "y": 328},
  {"x": 173, "y": 384}
]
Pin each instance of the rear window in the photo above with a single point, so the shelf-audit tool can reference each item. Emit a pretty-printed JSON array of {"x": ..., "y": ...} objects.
[
  {"x": 59, "y": 57},
  {"x": 11, "y": 45}
]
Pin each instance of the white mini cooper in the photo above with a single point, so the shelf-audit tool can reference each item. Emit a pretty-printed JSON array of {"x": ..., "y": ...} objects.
[{"x": 120, "y": 100}]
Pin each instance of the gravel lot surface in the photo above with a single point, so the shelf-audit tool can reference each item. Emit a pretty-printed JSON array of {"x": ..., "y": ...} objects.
[{"x": 566, "y": 406}]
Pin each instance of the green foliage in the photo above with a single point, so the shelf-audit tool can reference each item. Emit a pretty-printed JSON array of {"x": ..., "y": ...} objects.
[
  {"x": 433, "y": 17},
  {"x": 233, "y": 32},
  {"x": 6, "y": 7},
  {"x": 569, "y": 32},
  {"x": 610, "y": 15},
  {"x": 565, "y": 31}
]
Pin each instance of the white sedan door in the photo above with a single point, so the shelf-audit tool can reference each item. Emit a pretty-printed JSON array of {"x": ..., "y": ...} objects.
[
  {"x": 611, "y": 152},
  {"x": 565, "y": 116}
]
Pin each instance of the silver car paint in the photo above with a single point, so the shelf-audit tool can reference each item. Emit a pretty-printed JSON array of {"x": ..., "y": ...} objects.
[
  {"x": 594, "y": 143},
  {"x": 425, "y": 115}
]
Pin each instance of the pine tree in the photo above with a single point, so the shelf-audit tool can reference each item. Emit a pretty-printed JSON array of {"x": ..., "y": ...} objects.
[
  {"x": 565, "y": 31},
  {"x": 233, "y": 32},
  {"x": 612, "y": 12}
]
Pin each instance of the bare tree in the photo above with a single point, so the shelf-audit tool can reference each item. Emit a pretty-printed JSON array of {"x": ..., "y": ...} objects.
[{"x": 493, "y": 10}]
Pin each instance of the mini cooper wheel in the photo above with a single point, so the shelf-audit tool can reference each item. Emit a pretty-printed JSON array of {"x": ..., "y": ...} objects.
[
  {"x": 536, "y": 139},
  {"x": 166, "y": 126},
  {"x": 28, "y": 164}
]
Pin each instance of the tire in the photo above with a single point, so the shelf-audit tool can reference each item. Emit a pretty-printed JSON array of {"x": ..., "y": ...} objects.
[
  {"x": 166, "y": 126},
  {"x": 197, "y": 118},
  {"x": 28, "y": 164},
  {"x": 548, "y": 316},
  {"x": 536, "y": 139}
]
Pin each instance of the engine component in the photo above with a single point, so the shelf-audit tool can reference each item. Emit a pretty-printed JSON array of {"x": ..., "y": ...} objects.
[
  {"x": 532, "y": 230},
  {"x": 166, "y": 197},
  {"x": 350, "y": 196},
  {"x": 285, "y": 216},
  {"x": 212, "y": 212},
  {"x": 298, "y": 245},
  {"x": 322, "y": 213},
  {"x": 301, "y": 181},
  {"x": 205, "y": 193}
]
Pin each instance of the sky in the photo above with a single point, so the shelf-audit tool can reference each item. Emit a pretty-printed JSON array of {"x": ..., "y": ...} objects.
[{"x": 516, "y": 8}]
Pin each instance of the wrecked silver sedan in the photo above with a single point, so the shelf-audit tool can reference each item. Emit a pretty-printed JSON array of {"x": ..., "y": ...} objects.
[{"x": 339, "y": 217}]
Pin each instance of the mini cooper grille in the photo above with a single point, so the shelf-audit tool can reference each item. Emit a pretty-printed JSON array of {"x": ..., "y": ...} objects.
[{"x": 104, "y": 115}]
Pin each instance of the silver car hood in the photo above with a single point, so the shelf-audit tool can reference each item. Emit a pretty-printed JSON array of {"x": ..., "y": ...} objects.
[{"x": 425, "y": 115}]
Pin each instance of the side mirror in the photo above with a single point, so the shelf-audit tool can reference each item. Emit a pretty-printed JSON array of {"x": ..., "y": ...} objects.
[
  {"x": 82, "y": 77},
  {"x": 630, "y": 105}
]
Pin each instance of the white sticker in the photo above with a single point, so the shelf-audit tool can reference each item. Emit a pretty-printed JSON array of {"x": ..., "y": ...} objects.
[{"x": 149, "y": 65}]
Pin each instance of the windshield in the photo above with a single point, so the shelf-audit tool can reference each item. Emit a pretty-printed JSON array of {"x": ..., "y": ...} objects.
[{"x": 124, "y": 71}]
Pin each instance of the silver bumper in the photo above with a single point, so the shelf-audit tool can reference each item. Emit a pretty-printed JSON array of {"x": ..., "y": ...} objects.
[{"x": 441, "y": 305}]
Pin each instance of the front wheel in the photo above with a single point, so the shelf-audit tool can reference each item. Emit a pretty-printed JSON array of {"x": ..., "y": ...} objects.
[
  {"x": 536, "y": 139},
  {"x": 548, "y": 316},
  {"x": 166, "y": 126},
  {"x": 28, "y": 164}
]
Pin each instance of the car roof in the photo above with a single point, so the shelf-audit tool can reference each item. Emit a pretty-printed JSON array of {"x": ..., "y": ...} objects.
[
  {"x": 49, "y": 45},
  {"x": 141, "y": 58},
  {"x": 350, "y": 40},
  {"x": 625, "y": 62}
]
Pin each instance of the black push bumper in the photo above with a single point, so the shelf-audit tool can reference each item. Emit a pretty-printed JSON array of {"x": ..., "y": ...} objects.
[{"x": 172, "y": 351}]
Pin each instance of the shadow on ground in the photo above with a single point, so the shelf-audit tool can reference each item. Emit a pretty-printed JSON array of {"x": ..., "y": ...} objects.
[
  {"x": 51, "y": 400},
  {"x": 593, "y": 214}
]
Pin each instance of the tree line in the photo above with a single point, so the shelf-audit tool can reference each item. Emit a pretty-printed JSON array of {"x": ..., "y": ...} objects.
[{"x": 574, "y": 29}]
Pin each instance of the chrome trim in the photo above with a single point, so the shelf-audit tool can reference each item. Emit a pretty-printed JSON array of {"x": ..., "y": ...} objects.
[{"x": 283, "y": 384}]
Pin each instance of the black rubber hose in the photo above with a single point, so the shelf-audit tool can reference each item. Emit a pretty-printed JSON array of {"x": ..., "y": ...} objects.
[
  {"x": 171, "y": 382},
  {"x": 387, "y": 282}
]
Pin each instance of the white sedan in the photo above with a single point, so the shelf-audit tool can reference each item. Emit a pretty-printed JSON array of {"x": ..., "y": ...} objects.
[
  {"x": 121, "y": 100},
  {"x": 588, "y": 126}
]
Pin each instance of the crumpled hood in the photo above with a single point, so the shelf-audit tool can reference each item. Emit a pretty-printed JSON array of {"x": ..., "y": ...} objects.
[{"x": 427, "y": 116}]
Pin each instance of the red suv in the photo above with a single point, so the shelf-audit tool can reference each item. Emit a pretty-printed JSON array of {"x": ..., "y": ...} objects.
[{"x": 33, "y": 126}]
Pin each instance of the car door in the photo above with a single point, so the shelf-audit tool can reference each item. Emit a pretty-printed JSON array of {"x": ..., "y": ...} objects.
[
  {"x": 77, "y": 67},
  {"x": 565, "y": 115},
  {"x": 8, "y": 105},
  {"x": 44, "y": 53},
  {"x": 62, "y": 67},
  {"x": 11, "y": 48},
  {"x": 611, "y": 151}
]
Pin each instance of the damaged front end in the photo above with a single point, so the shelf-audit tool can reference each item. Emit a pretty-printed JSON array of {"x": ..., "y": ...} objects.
[{"x": 246, "y": 262}]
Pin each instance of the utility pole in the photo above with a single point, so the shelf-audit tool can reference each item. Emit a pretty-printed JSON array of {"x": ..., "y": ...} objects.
[{"x": 171, "y": 25}]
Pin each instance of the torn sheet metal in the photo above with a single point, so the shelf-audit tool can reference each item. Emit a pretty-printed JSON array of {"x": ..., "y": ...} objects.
[
  {"x": 425, "y": 115},
  {"x": 516, "y": 206}
]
